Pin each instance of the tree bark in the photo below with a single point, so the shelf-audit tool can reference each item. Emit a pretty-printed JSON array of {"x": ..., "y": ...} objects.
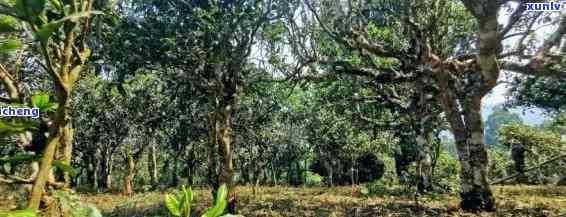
[
  {"x": 91, "y": 172},
  {"x": 518, "y": 155},
  {"x": 67, "y": 149},
  {"x": 131, "y": 160},
  {"x": 424, "y": 164},
  {"x": 152, "y": 165},
  {"x": 60, "y": 125},
  {"x": 129, "y": 178},
  {"x": 467, "y": 128},
  {"x": 220, "y": 121},
  {"x": 105, "y": 177}
]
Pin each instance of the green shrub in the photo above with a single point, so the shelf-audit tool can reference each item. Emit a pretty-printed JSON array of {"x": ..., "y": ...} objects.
[
  {"x": 313, "y": 179},
  {"x": 499, "y": 164},
  {"x": 220, "y": 204},
  {"x": 180, "y": 204},
  {"x": 379, "y": 187},
  {"x": 70, "y": 205},
  {"x": 447, "y": 173}
]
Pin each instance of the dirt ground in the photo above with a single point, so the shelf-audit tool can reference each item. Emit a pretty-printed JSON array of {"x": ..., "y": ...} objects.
[{"x": 519, "y": 201}]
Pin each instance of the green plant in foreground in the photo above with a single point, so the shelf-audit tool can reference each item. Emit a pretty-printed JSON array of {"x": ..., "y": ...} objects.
[
  {"x": 220, "y": 203},
  {"x": 180, "y": 204},
  {"x": 18, "y": 213}
]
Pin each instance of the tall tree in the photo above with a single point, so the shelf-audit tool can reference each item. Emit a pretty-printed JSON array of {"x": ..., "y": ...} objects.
[
  {"x": 214, "y": 42},
  {"x": 60, "y": 30},
  {"x": 464, "y": 67}
]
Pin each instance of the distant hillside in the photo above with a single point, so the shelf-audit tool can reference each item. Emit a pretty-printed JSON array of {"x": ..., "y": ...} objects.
[{"x": 530, "y": 116}]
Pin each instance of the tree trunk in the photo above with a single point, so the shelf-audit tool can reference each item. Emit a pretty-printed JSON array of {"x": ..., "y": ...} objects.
[
  {"x": 152, "y": 165},
  {"x": 424, "y": 164},
  {"x": 402, "y": 159},
  {"x": 275, "y": 177},
  {"x": 131, "y": 160},
  {"x": 129, "y": 178},
  {"x": 109, "y": 169},
  {"x": 222, "y": 137},
  {"x": 330, "y": 169},
  {"x": 467, "y": 128},
  {"x": 91, "y": 172},
  {"x": 60, "y": 125},
  {"x": 518, "y": 155},
  {"x": 105, "y": 177},
  {"x": 562, "y": 181},
  {"x": 67, "y": 149},
  {"x": 174, "y": 177}
]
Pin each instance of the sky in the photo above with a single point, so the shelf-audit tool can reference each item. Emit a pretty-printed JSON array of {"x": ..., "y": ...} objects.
[{"x": 498, "y": 97}]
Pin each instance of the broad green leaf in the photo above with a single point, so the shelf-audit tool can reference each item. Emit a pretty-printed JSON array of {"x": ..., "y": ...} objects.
[
  {"x": 217, "y": 210},
  {"x": 172, "y": 205},
  {"x": 30, "y": 8},
  {"x": 47, "y": 30},
  {"x": 34, "y": 7},
  {"x": 189, "y": 194},
  {"x": 8, "y": 24},
  {"x": 220, "y": 204},
  {"x": 222, "y": 193},
  {"x": 65, "y": 168},
  {"x": 10, "y": 45},
  {"x": 187, "y": 201},
  {"x": 41, "y": 101}
]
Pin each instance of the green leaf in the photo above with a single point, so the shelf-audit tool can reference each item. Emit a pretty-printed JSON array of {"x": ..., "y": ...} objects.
[
  {"x": 187, "y": 201},
  {"x": 34, "y": 7},
  {"x": 57, "y": 5},
  {"x": 30, "y": 8},
  {"x": 220, "y": 204},
  {"x": 18, "y": 213},
  {"x": 65, "y": 168},
  {"x": 46, "y": 30},
  {"x": 189, "y": 194},
  {"x": 222, "y": 193},
  {"x": 40, "y": 100},
  {"x": 217, "y": 210},
  {"x": 172, "y": 205},
  {"x": 10, "y": 45},
  {"x": 8, "y": 24}
]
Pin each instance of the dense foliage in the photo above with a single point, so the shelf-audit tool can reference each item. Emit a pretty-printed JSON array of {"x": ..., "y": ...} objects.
[{"x": 382, "y": 96}]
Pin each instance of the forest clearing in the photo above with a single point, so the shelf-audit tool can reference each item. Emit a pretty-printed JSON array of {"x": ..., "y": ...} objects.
[
  {"x": 322, "y": 202},
  {"x": 517, "y": 200},
  {"x": 245, "y": 108}
]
